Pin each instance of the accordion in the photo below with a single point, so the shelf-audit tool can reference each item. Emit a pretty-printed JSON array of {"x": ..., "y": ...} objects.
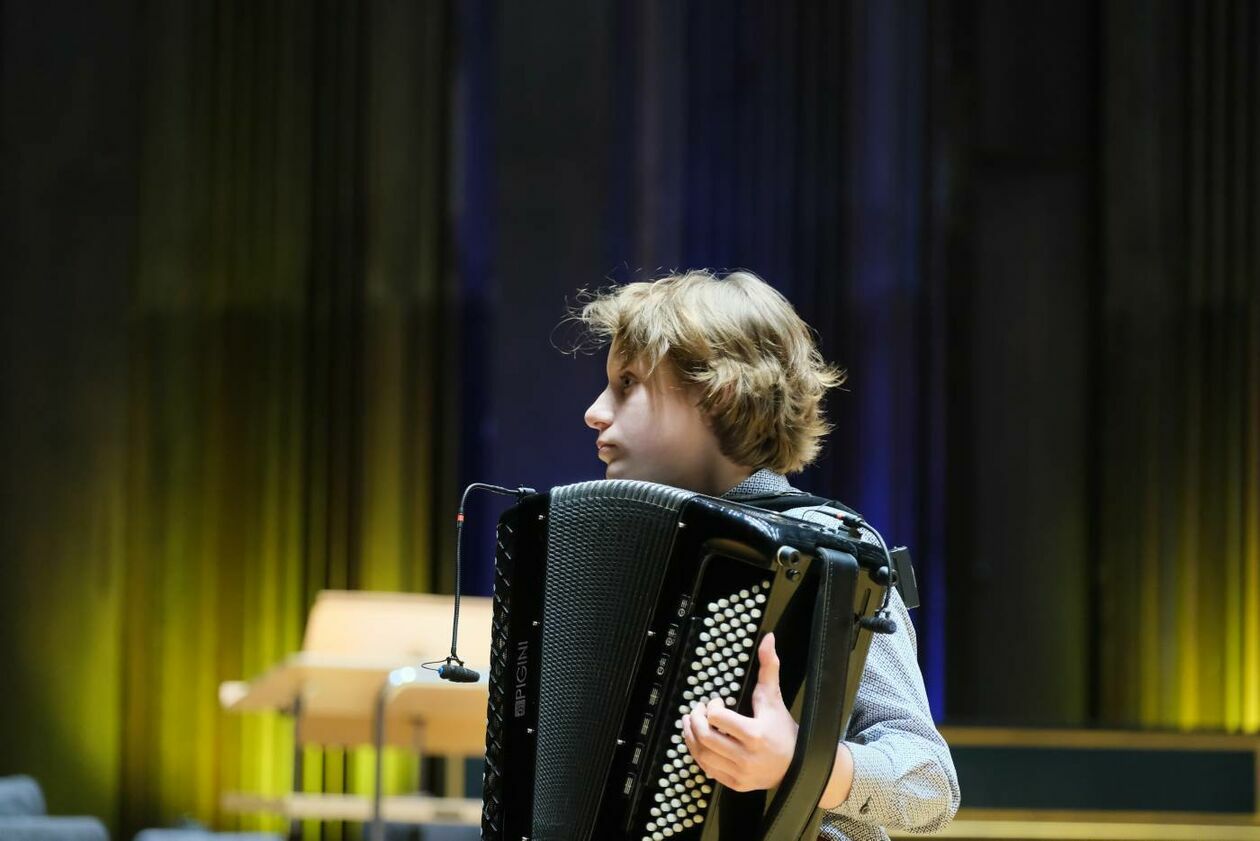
[{"x": 617, "y": 605}]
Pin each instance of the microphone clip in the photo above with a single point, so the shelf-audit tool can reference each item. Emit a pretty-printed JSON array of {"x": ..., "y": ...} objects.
[{"x": 454, "y": 670}]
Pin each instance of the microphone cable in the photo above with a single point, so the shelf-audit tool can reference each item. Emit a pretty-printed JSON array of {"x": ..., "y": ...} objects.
[{"x": 881, "y": 622}]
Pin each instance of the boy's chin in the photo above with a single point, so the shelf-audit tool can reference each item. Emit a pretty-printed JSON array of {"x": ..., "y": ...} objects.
[{"x": 620, "y": 470}]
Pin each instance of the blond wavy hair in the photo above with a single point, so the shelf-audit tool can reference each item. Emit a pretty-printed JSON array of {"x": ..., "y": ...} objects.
[{"x": 753, "y": 361}]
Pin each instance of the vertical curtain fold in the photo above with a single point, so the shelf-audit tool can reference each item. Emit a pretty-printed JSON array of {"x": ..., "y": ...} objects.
[
  {"x": 1180, "y": 502},
  {"x": 283, "y": 354}
]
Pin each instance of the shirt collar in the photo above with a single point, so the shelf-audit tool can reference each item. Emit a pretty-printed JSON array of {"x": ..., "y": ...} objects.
[{"x": 765, "y": 482}]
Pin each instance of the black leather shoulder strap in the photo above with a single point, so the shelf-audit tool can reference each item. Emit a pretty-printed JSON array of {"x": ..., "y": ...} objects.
[
  {"x": 907, "y": 585},
  {"x": 787, "y": 501}
]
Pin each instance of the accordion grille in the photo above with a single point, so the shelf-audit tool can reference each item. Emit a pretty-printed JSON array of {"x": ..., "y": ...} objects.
[
  {"x": 492, "y": 795},
  {"x": 606, "y": 546}
]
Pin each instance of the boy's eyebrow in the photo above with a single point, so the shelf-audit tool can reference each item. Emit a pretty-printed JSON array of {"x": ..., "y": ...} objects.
[{"x": 629, "y": 367}]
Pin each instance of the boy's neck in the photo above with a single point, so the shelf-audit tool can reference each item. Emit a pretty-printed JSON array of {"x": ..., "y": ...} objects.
[{"x": 722, "y": 478}]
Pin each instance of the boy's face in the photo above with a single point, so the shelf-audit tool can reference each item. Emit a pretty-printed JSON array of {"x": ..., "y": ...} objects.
[{"x": 652, "y": 430}]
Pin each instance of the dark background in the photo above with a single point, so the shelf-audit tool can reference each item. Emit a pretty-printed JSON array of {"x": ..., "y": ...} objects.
[{"x": 281, "y": 277}]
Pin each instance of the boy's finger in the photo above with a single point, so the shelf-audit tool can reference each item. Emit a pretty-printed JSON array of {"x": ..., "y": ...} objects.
[
  {"x": 711, "y": 763},
  {"x": 717, "y": 767},
  {"x": 711, "y": 740},
  {"x": 767, "y": 689},
  {"x": 769, "y": 659},
  {"x": 739, "y": 727}
]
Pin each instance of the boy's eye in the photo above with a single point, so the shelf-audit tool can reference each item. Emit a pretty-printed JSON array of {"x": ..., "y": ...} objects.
[{"x": 626, "y": 381}]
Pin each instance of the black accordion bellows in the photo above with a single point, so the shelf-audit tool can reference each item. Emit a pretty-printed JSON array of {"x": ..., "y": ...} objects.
[{"x": 618, "y": 604}]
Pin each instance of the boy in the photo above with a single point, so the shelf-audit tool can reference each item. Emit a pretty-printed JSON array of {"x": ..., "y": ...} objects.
[{"x": 715, "y": 386}]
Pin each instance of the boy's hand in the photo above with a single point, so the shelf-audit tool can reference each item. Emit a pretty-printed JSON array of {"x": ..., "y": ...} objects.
[{"x": 742, "y": 753}]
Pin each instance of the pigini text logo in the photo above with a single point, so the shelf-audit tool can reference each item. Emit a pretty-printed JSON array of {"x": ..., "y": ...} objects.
[{"x": 522, "y": 672}]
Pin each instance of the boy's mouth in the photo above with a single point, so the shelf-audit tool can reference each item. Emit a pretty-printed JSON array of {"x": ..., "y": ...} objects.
[{"x": 603, "y": 448}]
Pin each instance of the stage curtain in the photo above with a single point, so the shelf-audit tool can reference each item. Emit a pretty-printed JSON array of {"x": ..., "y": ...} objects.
[
  {"x": 1179, "y": 515},
  {"x": 250, "y": 412}
]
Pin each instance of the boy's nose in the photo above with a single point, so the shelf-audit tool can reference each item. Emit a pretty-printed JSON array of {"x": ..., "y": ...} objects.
[{"x": 598, "y": 416}]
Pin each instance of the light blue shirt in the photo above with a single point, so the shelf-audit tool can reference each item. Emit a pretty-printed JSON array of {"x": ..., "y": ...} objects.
[{"x": 903, "y": 775}]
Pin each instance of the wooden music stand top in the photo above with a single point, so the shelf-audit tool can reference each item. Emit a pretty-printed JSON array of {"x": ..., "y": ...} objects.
[{"x": 353, "y": 642}]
